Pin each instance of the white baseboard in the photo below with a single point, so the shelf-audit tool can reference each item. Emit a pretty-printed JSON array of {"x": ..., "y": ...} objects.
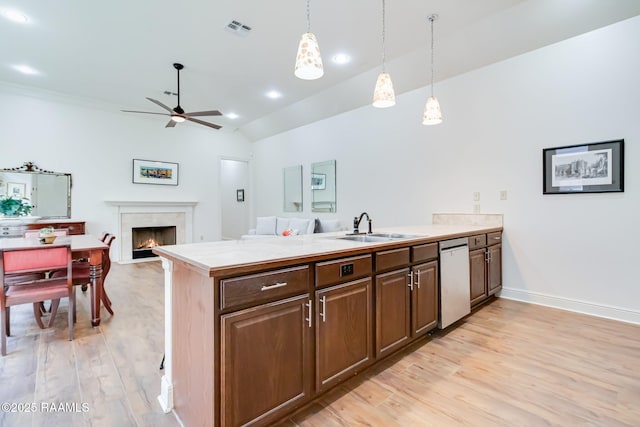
[{"x": 584, "y": 307}]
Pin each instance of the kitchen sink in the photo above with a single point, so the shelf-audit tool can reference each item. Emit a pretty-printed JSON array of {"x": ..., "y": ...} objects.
[
  {"x": 394, "y": 236},
  {"x": 365, "y": 238},
  {"x": 377, "y": 237}
]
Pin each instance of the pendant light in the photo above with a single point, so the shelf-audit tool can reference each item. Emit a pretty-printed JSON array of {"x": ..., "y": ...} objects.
[
  {"x": 308, "y": 60},
  {"x": 383, "y": 95},
  {"x": 432, "y": 113}
]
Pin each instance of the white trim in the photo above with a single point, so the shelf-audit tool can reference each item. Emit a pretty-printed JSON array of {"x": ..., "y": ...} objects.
[
  {"x": 570, "y": 304},
  {"x": 166, "y": 385}
]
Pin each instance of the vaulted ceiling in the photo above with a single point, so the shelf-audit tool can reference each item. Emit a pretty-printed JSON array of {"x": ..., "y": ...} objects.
[{"x": 119, "y": 52}]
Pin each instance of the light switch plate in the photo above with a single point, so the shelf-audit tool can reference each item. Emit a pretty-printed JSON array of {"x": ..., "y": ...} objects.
[
  {"x": 503, "y": 195},
  {"x": 476, "y": 196}
]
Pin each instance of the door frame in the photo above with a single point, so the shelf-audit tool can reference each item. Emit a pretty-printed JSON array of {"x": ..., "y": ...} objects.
[{"x": 248, "y": 200}]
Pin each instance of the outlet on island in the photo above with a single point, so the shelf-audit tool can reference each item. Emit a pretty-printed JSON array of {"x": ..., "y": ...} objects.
[{"x": 346, "y": 269}]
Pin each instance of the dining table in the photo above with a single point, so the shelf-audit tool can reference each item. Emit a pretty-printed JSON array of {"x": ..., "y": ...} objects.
[{"x": 82, "y": 246}]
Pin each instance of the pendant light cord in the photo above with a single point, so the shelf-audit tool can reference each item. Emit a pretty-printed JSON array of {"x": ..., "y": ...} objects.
[
  {"x": 383, "y": 37},
  {"x": 308, "y": 17},
  {"x": 432, "y": 18}
]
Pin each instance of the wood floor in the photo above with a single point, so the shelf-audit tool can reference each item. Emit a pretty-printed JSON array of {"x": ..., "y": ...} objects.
[{"x": 509, "y": 364}]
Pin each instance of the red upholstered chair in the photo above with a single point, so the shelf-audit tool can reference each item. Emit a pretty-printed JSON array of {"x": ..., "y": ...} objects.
[{"x": 19, "y": 286}]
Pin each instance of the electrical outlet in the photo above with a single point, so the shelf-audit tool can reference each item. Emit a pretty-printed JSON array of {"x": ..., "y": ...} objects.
[
  {"x": 503, "y": 195},
  {"x": 476, "y": 208},
  {"x": 346, "y": 269},
  {"x": 476, "y": 196}
]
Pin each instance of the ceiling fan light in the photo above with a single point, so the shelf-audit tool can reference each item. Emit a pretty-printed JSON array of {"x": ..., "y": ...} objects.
[
  {"x": 383, "y": 95},
  {"x": 432, "y": 113},
  {"x": 308, "y": 60},
  {"x": 178, "y": 119}
]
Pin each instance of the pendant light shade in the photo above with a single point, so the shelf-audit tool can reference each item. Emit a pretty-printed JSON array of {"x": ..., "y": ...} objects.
[
  {"x": 308, "y": 60},
  {"x": 432, "y": 114},
  {"x": 383, "y": 95}
]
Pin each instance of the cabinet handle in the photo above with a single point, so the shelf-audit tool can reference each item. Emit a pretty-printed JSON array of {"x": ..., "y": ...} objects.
[
  {"x": 410, "y": 275},
  {"x": 323, "y": 313},
  {"x": 417, "y": 275},
  {"x": 496, "y": 237},
  {"x": 310, "y": 306},
  {"x": 269, "y": 287}
]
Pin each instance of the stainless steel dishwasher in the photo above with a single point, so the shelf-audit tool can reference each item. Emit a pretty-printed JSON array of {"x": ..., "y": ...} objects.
[{"x": 454, "y": 281}]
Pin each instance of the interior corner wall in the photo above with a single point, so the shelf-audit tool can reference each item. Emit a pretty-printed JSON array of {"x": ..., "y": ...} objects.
[
  {"x": 97, "y": 145},
  {"x": 572, "y": 251}
]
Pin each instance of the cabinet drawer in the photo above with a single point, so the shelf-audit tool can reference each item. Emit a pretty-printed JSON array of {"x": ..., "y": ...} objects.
[
  {"x": 387, "y": 260},
  {"x": 263, "y": 287},
  {"x": 477, "y": 241},
  {"x": 424, "y": 252},
  {"x": 342, "y": 270},
  {"x": 494, "y": 238}
]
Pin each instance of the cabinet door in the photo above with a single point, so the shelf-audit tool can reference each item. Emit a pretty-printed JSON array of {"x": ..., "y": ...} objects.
[
  {"x": 392, "y": 311},
  {"x": 424, "y": 298},
  {"x": 494, "y": 274},
  {"x": 344, "y": 334},
  {"x": 264, "y": 361},
  {"x": 478, "y": 274}
]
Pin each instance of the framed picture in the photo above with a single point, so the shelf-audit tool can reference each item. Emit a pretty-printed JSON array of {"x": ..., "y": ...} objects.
[
  {"x": 318, "y": 181},
  {"x": 596, "y": 167},
  {"x": 154, "y": 172},
  {"x": 240, "y": 195},
  {"x": 16, "y": 190}
]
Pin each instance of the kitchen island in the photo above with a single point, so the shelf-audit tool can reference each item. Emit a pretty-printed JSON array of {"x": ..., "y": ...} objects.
[{"x": 255, "y": 329}]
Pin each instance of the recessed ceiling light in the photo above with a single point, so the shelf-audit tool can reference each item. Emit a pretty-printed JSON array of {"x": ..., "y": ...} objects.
[
  {"x": 25, "y": 69},
  {"x": 231, "y": 116},
  {"x": 341, "y": 58},
  {"x": 273, "y": 94},
  {"x": 14, "y": 15}
]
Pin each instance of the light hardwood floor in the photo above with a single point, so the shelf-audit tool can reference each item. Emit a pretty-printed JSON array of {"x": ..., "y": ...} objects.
[{"x": 509, "y": 364}]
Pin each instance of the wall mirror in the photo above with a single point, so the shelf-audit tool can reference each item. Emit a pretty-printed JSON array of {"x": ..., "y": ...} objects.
[
  {"x": 292, "y": 177},
  {"x": 49, "y": 192},
  {"x": 323, "y": 186}
]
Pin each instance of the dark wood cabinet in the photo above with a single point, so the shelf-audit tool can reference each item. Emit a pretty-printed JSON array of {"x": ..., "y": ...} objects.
[
  {"x": 424, "y": 298},
  {"x": 494, "y": 269},
  {"x": 393, "y": 311},
  {"x": 344, "y": 331},
  {"x": 478, "y": 275},
  {"x": 72, "y": 227},
  {"x": 265, "y": 361},
  {"x": 485, "y": 266}
]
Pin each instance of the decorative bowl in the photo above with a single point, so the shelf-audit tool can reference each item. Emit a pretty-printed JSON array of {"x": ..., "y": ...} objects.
[{"x": 48, "y": 239}]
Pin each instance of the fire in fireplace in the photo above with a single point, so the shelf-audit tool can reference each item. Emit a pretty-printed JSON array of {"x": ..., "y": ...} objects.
[{"x": 146, "y": 238}]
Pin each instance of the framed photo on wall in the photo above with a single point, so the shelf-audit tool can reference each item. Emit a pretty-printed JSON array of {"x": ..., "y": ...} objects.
[
  {"x": 240, "y": 195},
  {"x": 596, "y": 167},
  {"x": 154, "y": 172},
  {"x": 16, "y": 190}
]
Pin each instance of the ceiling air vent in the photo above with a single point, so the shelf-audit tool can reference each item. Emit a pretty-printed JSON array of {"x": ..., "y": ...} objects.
[{"x": 238, "y": 28}]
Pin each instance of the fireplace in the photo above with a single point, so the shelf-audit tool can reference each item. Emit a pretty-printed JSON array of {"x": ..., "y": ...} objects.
[{"x": 144, "y": 239}]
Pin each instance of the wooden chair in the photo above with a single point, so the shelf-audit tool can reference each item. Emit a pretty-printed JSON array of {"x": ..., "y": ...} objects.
[
  {"x": 17, "y": 267},
  {"x": 81, "y": 272}
]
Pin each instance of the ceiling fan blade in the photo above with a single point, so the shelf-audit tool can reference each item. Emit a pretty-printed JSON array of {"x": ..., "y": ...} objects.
[
  {"x": 204, "y": 113},
  {"x": 144, "y": 112},
  {"x": 211, "y": 125},
  {"x": 171, "y": 124},
  {"x": 159, "y": 104}
]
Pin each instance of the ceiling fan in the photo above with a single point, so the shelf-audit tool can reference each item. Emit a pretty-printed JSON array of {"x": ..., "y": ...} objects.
[{"x": 177, "y": 114}]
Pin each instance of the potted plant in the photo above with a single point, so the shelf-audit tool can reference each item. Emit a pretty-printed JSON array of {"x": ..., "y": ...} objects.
[
  {"x": 47, "y": 235},
  {"x": 10, "y": 207}
]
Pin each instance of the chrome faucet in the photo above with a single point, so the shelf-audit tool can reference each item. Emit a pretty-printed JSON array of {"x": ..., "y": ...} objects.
[{"x": 356, "y": 223}]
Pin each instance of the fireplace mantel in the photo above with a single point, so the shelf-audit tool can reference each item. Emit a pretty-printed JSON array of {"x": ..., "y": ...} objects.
[{"x": 135, "y": 213}]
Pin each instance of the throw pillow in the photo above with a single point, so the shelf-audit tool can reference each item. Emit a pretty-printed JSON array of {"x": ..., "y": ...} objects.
[
  {"x": 299, "y": 224},
  {"x": 266, "y": 225},
  {"x": 281, "y": 225}
]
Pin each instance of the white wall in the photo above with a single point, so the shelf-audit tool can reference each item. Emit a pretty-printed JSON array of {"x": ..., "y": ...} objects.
[
  {"x": 571, "y": 251},
  {"x": 234, "y": 176},
  {"x": 97, "y": 143}
]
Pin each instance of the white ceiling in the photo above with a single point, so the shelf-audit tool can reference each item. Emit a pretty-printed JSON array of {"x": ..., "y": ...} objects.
[{"x": 121, "y": 51}]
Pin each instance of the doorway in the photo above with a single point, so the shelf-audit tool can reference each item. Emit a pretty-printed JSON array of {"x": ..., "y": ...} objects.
[{"x": 234, "y": 202}]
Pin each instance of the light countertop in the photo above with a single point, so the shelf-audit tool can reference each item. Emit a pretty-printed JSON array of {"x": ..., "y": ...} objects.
[{"x": 230, "y": 256}]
